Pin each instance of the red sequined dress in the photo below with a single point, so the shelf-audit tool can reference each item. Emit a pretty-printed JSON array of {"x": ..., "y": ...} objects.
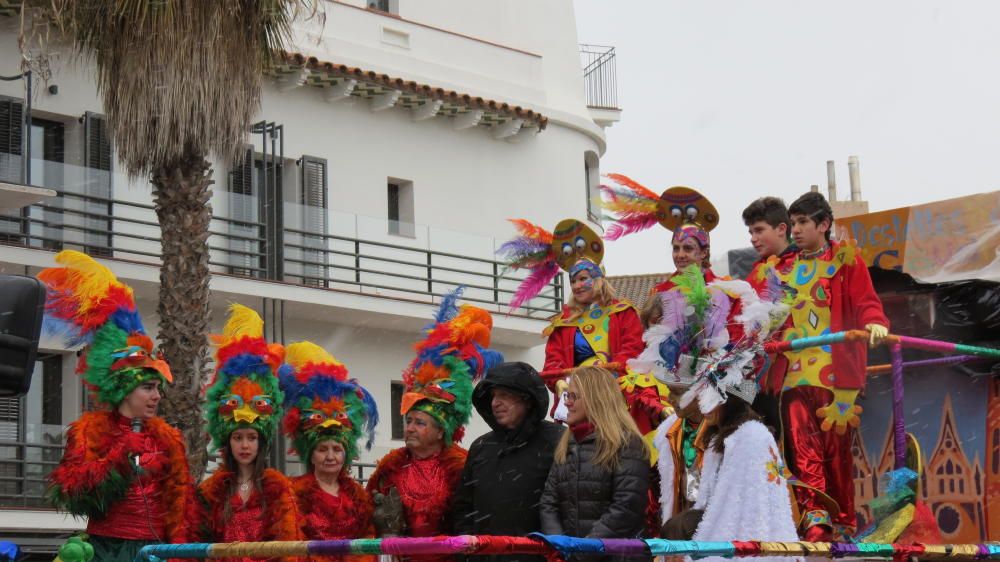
[
  {"x": 348, "y": 515},
  {"x": 269, "y": 516},
  {"x": 425, "y": 486}
]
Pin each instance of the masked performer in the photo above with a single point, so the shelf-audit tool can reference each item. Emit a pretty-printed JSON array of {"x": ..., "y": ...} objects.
[
  {"x": 124, "y": 468},
  {"x": 327, "y": 414},
  {"x": 595, "y": 327},
  {"x": 244, "y": 500},
  {"x": 413, "y": 485}
]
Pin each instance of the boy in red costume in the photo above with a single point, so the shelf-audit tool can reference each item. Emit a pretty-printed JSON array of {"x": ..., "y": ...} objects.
[
  {"x": 767, "y": 222},
  {"x": 413, "y": 486},
  {"x": 124, "y": 468},
  {"x": 833, "y": 292}
]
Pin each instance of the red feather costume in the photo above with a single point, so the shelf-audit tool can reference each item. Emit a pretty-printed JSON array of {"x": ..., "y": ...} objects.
[
  {"x": 271, "y": 516},
  {"x": 348, "y": 515},
  {"x": 426, "y": 487},
  {"x": 100, "y": 446}
]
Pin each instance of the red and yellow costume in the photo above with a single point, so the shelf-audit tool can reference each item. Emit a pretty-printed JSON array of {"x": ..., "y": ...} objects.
[
  {"x": 833, "y": 293},
  {"x": 598, "y": 334},
  {"x": 324, "y": 405},
  {"x": 454, "y": 352},
  {"x": 268, "y": 514},
  {"x": 245, "y": 394},
  {"x": 128, "y": 476}
]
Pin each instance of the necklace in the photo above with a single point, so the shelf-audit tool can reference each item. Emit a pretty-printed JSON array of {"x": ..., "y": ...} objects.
[
  {"x": 816, "y": 253},
  {"x": 244, "y": 485}
]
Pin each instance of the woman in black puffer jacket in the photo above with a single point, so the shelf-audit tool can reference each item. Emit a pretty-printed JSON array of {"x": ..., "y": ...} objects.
[{"x": 597, "y": 487}]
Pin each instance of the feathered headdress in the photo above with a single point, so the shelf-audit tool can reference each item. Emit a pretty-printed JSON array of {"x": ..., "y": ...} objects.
[
  {"x": 693, "y": 327},
  {"x": 454, "y": 352},
  {"x": 322, "y": 403},
  {"x": 734, "y": 370},
  {"x": 545, "y": 253},
  {"x": 87, "y": 304},
  {"x": 244, "y": 392},
  {"x": 679, "y": 209}
]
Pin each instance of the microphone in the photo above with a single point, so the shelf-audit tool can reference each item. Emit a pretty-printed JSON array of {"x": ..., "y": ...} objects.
[{"x": 136, "y": 425}]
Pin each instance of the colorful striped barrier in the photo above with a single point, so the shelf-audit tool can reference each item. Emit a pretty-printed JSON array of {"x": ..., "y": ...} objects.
[
  {"x": 896, "y": 343},
  {"x": 862, "y": 335},
  {"x": 566, "y": 546}
]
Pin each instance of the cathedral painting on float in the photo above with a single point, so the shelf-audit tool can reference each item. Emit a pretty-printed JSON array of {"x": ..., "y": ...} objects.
[{"x": 956, "y": 420}]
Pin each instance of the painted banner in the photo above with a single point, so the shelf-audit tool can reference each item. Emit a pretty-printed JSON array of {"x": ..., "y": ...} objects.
[{"x": 948, "y": 240}]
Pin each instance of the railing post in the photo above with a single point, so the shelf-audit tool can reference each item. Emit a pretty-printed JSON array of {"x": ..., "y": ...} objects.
[
  {"x": 496, "y": 283},
  {"x": 357, "y": 259},
  {"x": 558, "y": 292},
  {"x": 430, "y": 275}
]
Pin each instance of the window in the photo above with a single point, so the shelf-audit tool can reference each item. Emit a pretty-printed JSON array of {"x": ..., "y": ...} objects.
[
  {"x": 387, "y": 6},
  {"x": 244, "y": 212},
  {"x": 48, "y": 157},
  {"x": 400, "y": 210},
  {"x": 395, "y": 402},
  {"x": 97, "y": 184},
  {"x": 11, "y": 149},
  {"x": 313, "y": 197},
  {"x": 592, "y": 181}
]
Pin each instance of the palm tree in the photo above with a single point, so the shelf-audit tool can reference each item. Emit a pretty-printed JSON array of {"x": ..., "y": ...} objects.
[{"x": 180, "y": 80}]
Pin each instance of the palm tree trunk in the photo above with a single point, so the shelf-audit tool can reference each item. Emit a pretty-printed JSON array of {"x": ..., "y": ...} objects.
[{"x": 181, "y": 196}]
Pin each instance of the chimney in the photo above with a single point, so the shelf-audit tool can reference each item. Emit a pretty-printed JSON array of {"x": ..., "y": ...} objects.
[
  {"x": 831, "y": 181},
  {"x": 855, "y": 173},
  {"x": 814, "y": 188}
]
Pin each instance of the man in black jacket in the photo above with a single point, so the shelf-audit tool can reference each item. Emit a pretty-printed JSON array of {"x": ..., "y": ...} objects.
[{"x": 505, "y": 473}]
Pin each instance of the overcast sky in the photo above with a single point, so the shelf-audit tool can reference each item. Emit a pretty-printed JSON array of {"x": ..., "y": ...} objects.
[{"x": 741, "y": 99}]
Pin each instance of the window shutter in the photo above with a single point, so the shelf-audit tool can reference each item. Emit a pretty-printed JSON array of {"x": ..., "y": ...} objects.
[
  {"x": 314, "y": 219},
  {"x": 11, "y": 139},
  {"x": 242, "y": 201},
  {"x": 10, "y": 415},
  {"x": 11, "y": 154},
  {"x": 97, "y": 184}
]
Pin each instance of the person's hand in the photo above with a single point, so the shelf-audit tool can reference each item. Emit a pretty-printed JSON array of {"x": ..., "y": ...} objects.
[
  {"x": 877, "y": 333},
  {"x": 388, "y": 516},
  {"x": 841, "y": 413},
  {"x": 561, "y": 386}
]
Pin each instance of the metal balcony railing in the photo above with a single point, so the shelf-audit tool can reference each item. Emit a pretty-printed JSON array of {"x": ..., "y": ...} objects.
[
  {"x": 600, "y": 77},
  {"x": 25, "y": 468},
  {"x": 344, "y": 251}
]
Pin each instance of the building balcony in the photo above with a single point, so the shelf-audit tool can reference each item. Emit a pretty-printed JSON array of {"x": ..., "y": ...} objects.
[
  {"x": 374, "y": 271},
  {"x": 384, "y": 43},
  {"x": 600, "y": 79}
]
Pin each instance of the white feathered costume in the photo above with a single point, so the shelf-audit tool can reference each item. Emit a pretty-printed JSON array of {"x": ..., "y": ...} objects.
[{"x": 744, "y": 492}]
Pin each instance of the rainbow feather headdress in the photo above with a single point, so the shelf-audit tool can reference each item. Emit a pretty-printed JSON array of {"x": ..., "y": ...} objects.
[
  {"x": 733, "y": 370},
  {"x": 87, "y": 304},
  {"x": 322, "y": 403},
  {"x": 454, "y": 352},
  {"x": 244, "y": 392},
  {"x": 679, "y": 209},
  {"x": 571, "y": 244}
]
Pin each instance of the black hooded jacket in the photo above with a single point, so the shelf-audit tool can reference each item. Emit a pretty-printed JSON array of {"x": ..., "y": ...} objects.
[{"x": 506, "y": 470}]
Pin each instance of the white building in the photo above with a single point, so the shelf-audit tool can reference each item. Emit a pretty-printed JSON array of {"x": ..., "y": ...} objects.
[{"x": 398, "y": 138}]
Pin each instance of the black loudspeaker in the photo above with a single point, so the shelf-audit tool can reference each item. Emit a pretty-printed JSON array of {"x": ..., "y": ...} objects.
[{"x": 22, "y": 305}]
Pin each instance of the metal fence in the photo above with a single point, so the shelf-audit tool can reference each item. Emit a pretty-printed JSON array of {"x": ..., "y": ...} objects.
[
  {"x": 600, "y": 76},
  {"x": 394, "y": 266},
  {"x": 24, "y": 469}
]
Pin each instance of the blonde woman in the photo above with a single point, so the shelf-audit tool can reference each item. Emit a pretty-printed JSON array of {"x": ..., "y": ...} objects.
[{"x": 598, "y": 484}]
